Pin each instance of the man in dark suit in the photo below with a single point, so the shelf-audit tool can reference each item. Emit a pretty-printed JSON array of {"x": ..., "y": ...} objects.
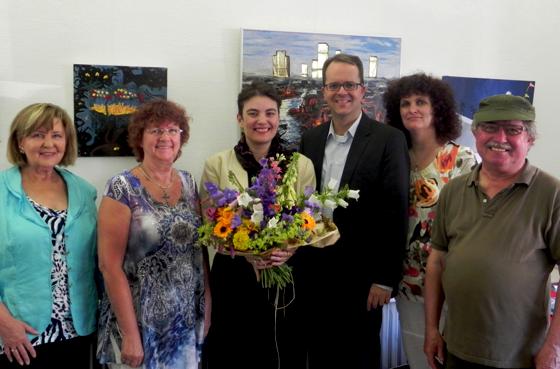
[{"x": 341, "y": 289}]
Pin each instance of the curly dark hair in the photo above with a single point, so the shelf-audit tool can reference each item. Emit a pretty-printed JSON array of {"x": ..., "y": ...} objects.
[
  {"x": 153, "y": 113},
  {"x": 446, "y": 121}
]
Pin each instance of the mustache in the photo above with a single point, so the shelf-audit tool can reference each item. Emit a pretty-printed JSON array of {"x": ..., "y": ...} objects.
[{"x": 497, "y": 145}]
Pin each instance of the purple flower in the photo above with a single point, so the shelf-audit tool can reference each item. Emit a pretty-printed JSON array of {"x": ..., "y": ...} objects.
[
  {"x": 220, "y": 198},
  {"x": 230, "y": 195},
  {"x": 236, "y": 221},
  {"x": 287, "y": 218},
  {"x": 264, "y": 187},
  {"x": 309, "y": 190},
  {"x": 212, "y": 189},
  {"x": 312, "y": 205},
  {"x": 246, "y": 213}
]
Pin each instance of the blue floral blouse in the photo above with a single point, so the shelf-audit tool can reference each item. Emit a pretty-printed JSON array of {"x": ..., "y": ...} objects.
[{"x": 164, "y": 267}]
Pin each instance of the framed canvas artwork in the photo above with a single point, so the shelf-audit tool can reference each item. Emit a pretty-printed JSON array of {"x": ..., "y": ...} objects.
[
  {"x": 293, "y": 61},
  {"x": 104, "y": 98}
]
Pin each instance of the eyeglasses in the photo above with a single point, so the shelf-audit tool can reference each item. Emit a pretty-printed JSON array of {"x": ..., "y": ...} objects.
[
  {"x": 160, "y": 131},
  {"x": 347, "y": 86},
  {"x": 508, "y": 129}
]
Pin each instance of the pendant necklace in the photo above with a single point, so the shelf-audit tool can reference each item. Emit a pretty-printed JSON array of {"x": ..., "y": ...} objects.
[
  {"x": 164, "y": 189},
  {"x": 413, "y": 162}
]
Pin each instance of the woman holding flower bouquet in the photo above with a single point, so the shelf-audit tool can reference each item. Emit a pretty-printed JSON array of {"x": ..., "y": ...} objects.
[
  {"x": 251, "y": 326},
  {"x": 153, "y": 310},
  {"x": 423, "y": 108}
]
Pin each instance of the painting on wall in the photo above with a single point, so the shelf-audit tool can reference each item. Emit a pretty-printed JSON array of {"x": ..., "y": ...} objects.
[
  {"x": 293, "y": 61},
  {"x": 469, "y": 91},
  {"x": 105, "y": 97}
]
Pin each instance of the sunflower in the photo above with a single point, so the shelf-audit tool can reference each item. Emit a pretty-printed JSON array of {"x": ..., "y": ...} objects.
[
  {"x": 222, "y": 230},
  {"x": 308, "y": 221}
]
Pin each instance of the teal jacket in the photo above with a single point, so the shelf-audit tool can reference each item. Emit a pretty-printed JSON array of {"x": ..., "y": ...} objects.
[{"x": 25, "y": 253}]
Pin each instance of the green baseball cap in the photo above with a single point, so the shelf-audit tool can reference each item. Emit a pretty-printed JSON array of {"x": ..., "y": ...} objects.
[{"x": 504, "y": 107}]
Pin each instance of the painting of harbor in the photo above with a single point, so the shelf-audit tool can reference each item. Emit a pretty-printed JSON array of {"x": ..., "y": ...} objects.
[
  {"x": 104, "y": 98},
  {"x": 293, "y": 62}
]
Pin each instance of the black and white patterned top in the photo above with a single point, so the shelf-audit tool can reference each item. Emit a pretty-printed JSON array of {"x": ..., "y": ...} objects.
[{"x": 61, "y": 326}]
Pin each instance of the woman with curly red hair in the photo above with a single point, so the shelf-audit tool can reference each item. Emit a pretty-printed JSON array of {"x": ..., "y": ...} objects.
[{"x": 153, "y": 311}]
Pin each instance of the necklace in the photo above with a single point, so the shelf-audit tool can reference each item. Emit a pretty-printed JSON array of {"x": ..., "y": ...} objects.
[
  {"x": 164, "y": 189},
  {"x": 413, "y": 161},
  {"x": 417, "y": 165}
]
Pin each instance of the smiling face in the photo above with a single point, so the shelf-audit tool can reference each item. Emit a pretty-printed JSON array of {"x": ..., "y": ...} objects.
[
  {"x": 502, "y": 154},
  {"x": 162, "y": 148},
  {"x": 44, "y": 148},
  {"x": 345, "y": 106},
  {"x": 416, "y": 113},
  {"x": 259, "y": 120}
]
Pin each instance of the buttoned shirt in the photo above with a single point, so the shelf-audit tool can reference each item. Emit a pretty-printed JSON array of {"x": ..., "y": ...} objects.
[{"x": 336, "y": 152}]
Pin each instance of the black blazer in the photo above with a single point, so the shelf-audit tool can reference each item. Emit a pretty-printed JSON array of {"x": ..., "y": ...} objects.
[{"x": 374, "y": 228}]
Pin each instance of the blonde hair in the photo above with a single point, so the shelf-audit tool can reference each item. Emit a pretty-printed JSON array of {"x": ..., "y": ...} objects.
[{"x": 33, "y": 117}]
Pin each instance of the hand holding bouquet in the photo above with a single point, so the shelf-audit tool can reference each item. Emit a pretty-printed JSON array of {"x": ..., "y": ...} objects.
[{"x": 270, "y": 215}]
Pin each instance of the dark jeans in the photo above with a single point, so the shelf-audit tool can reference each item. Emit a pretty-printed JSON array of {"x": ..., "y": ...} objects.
[
  {"x": 453, "y": 362},
  {"x": 75, "y": 353}
]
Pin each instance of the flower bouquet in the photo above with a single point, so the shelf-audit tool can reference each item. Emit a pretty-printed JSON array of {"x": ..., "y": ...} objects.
[{"x": 270, "y": 214}]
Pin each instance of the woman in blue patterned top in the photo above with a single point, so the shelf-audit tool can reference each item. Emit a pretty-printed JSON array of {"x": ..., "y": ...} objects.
[
  {"x": 153, "y": 312},
  {"x": 48, "y": 298}
]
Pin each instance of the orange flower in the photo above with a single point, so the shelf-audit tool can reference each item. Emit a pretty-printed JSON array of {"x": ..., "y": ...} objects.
[
  {"x": 276, "y": 207},
  {"x": 445, "y": 161},
  {"x": 225, "y": 215},
  {"x": 222, "y": 230},
  {"x": 308, "y": 221}
]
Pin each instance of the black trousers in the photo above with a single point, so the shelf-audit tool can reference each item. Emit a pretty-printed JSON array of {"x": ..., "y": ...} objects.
[
  {"x": 453, "y": 362},
  {"x": 75, "y": 353},
  {"x": 336, "y": 330}
]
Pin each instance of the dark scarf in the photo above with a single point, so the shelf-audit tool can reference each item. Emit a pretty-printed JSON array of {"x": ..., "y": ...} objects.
[{"x": 248, "y": 161}]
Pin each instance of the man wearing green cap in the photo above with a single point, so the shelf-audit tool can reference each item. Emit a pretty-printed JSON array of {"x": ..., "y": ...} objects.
[{"x": 495, "y": 241}]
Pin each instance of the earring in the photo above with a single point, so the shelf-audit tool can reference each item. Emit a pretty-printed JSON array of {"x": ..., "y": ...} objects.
[{"x": 21, "y": 150}]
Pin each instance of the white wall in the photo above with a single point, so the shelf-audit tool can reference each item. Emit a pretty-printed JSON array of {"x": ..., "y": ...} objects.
[{"x": 199, "y": 42}]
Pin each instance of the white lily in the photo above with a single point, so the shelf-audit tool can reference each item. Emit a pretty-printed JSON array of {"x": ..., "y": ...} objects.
[
  {"x": 354, "y": 194},
  {"x": 244, "y": 199},
  {"x": 258, "y": 214},
  {"x": 329, "y": 204},
  {"x": 332, "y": 184},
  {"x": 272, "y": 223},
  {"x": 341, "y": 202}
]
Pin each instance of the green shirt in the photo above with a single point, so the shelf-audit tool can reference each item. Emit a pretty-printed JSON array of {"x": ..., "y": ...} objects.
[{"x": 500, "y": 253}]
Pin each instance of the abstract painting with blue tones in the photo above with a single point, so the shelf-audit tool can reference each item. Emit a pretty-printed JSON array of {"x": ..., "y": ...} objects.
[
  {"x": 470, "y": 91},
  {"x": 292, "y": 62},
  {"x": 105, "y": 97}
]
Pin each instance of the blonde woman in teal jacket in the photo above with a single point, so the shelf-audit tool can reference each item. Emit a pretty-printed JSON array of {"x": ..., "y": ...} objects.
[{"x": 48, "y": 296}]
